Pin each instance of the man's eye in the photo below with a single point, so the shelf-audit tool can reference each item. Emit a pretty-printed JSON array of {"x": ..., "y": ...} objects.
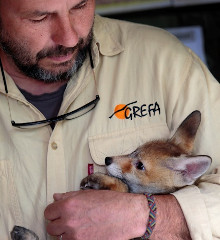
[
  {"x": 80, "y": 5},
  {"x": 39, "y": 19},
  {"x": 139, "y": 165}
]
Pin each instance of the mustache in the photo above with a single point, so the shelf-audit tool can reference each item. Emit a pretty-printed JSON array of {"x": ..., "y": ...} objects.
[{"x": 59, "y": 51}]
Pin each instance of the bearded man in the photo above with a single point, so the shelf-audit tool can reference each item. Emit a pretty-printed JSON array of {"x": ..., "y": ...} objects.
[{"x": 64, "y": 72}]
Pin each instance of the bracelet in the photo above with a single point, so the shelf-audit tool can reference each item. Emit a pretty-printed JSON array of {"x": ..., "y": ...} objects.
[{"x": 152, "y": 216}]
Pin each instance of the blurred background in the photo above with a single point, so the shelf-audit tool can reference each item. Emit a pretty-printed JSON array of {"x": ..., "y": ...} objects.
[{"x": 195, "y": 22}]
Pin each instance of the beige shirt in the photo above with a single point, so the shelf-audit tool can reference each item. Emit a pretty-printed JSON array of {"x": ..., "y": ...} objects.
[{"x": 163, "y": 82}]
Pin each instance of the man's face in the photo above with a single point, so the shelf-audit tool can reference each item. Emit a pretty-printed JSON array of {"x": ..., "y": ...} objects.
[{"x": 46, "y": 39}]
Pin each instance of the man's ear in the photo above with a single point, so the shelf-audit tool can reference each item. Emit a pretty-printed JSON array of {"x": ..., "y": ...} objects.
[
  {"x": 187, "y": 169},
  {"x": 186, "y": 133}
]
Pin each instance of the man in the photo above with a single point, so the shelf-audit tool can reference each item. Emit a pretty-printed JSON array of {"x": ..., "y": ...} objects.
[{"x": 44, "y": 46}]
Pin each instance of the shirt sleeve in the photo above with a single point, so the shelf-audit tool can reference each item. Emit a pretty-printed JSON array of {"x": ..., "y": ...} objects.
[
  {"x": 201, "y": 207},
  {"x": 201, "y": 202}
]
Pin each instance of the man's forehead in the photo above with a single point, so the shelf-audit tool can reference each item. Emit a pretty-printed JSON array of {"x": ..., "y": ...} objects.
[{"x": 32, "y": 5}]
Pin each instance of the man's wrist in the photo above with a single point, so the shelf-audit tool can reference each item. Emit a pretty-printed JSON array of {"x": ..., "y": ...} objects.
[
  {"x": 170, "y": 222},
  {"x": 140, "y": 219},
  {"x": 152, "y": 216}
]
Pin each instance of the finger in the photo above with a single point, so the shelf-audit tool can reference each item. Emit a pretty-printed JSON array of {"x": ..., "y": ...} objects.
[
  {"x": 60, "y": 196},
  {"x": 52, "y": 211},
  {"x": 55, "y": 228}
]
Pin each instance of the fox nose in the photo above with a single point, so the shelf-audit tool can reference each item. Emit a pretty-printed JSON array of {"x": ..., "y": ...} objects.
[{"x": 108, "y": 161}]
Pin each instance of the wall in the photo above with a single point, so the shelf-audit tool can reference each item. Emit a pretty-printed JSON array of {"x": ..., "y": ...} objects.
[{"x": 207, "y": 16}]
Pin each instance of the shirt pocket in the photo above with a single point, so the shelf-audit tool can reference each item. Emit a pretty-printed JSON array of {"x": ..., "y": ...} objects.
[
  {"x": 123, "y": 141},
  {"x": 10, "y": 212}
]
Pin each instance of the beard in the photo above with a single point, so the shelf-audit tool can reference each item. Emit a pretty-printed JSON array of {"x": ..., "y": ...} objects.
[{"x": 29, "y": 64}]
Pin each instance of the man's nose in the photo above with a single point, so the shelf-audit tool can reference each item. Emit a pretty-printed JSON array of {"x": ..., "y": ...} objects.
[{"x": 64, "y": 33}]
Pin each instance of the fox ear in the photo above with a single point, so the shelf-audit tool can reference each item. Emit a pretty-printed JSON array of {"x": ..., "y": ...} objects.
[
  {"x": 188, "y": 168},
  {"x": 186, "y": 133}
]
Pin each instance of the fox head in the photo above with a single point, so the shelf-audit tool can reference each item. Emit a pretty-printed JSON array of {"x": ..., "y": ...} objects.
[{"x": 162, "y": 166}]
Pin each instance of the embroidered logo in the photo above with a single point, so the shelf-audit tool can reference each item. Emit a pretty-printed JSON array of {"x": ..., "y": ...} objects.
[{"x": 133, "y": 110}]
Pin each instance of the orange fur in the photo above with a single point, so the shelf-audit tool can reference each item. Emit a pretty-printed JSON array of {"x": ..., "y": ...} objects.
[{"x": 161, "y": 166}]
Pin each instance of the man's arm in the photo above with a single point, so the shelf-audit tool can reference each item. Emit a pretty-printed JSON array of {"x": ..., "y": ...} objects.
[
  {"x": 113, "y": 215},
  {"x": 170, "y": 221}
]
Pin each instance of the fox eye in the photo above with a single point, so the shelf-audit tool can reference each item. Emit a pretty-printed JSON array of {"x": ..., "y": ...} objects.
[{"x": 139, "y": 165}]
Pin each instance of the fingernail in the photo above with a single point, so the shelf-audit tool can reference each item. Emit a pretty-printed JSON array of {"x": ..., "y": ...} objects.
[{"x": 57, "y": 196}]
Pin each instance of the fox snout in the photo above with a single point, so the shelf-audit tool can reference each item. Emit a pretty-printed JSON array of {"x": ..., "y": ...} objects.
[{"x": 108, "y": 161}]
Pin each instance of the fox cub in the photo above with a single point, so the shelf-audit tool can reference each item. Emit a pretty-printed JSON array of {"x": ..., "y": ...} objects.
[{"x": 156, "y": 167}]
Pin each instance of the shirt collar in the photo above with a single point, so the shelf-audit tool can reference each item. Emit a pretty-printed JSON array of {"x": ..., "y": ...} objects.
[{"x": 107, "y": 37}]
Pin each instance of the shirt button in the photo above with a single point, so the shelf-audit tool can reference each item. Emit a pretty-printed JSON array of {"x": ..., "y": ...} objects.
[{"x": 54, "y": 146}]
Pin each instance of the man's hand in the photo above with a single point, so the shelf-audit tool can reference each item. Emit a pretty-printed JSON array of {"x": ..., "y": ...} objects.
[{"x": 92, "y": 214}]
